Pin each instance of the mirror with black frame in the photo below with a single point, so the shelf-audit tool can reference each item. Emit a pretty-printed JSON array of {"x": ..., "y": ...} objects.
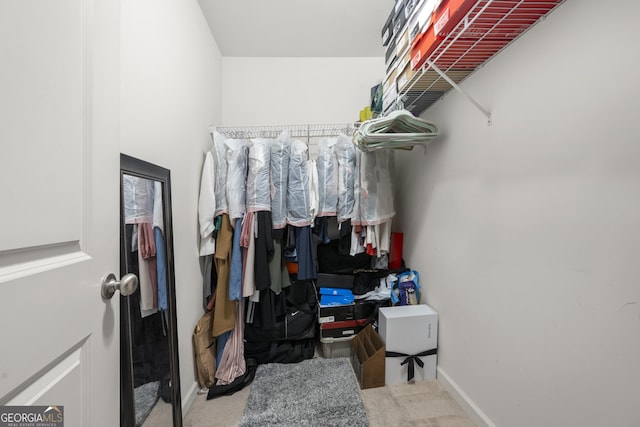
[{"x": 149, "y": 368}]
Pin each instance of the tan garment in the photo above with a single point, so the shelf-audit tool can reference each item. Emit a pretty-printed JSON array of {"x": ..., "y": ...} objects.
[{"x": 225, "y": 310}]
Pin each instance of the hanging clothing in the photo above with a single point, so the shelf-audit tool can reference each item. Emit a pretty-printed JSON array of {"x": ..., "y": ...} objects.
[
  {"x": 279, "y": 180},
  {"x": 357, "y": 240},
  {"x": 235, "y": 278},
  {"x": 160, "y": 246},
  {"x": 208, "y": 285},
  {"x": 298, "y": 197},
  {"x": 219, "y": 152},
  {"x": 207, "y": 206},
  {"x": 161, "y": 269},
  {"x": 321, "y": 229},
  {"x": 138, "y": 199},
  {"x": 376, "y": 188},
  {"x": 264, "y": 250},
  {"x": 306, "y": 254},
  {"x": 314, "y": 198},
  {"x": 221, "y": 343},
  {"x": 247, "y": 243},
  {"x": 158, "y": 206},
  {"x": 224, "y": 314},
  {"x": 145, "y": 287},
  {"x": 344, "y": 246},
  {"x": 327, "y": 167},
  {"x": 147, "y": 253},
  {"x": 236, "y": 177},
  {"x": 232, "y": 364},
  {"x": 347, "y": 172},
  {"x": 277, "y": 268},
  {"x": 259, "y": 169}
]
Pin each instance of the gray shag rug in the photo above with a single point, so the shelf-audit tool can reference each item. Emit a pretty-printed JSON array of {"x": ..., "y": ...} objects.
[
  {"x": 314, "y": 392},
  {"x": 145, "y": 397}
]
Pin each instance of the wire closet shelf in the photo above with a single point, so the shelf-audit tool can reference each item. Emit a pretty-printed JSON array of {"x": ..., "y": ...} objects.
[
  {"x": 307, "y": 131},
  {"x": 486, "y": 29}
]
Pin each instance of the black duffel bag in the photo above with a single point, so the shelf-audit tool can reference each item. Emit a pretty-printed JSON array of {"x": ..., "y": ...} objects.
[{"x": 300, "y": 321}]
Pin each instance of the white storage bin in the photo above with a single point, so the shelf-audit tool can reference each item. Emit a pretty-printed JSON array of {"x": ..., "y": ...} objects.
[
  {"x": 336, "y": 347},
  {"x": 409, "y": 329}
]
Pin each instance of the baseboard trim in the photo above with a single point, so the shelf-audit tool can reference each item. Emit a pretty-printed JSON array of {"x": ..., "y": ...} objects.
[
  {"x": 475, "y": 413},
  {"x": 189, "y": 398}
]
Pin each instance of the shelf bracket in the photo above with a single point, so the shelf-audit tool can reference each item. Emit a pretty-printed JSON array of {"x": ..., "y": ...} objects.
[{"x": 442, "y": 74}]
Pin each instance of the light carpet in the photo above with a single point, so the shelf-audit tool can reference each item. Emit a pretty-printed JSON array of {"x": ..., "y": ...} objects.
[{"x": 312, "y": 392}]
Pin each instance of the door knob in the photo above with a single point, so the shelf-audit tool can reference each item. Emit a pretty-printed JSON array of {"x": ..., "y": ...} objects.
[{"x": 127, "y": 285}]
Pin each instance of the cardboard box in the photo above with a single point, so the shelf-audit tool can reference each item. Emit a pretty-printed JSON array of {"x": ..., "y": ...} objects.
[
  {"x": 389, "y": 83},
  {"x": 405, "y": 73},
  {"x": 409, "y": 330},
  {"x": 367, "y": 358},
  {"x": 389, "y": 98},
  {"x": 402, "y": 44}
]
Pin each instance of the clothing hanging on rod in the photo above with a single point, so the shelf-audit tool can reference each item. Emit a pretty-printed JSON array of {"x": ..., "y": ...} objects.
[
  {"x": 270, "y": 183},
  {"x": 270, "y": 168}
]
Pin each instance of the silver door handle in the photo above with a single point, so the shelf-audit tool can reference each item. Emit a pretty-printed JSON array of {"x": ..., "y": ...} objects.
[{"x": 127, "y": 285}]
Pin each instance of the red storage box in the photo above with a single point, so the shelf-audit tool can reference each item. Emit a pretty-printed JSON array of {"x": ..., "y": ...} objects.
[
  {"x": 490, "y": 26},
  {"x": 341, "y": 329},
  {"x": 444, "y": 19},
  {"x": 448, "y": 14}
]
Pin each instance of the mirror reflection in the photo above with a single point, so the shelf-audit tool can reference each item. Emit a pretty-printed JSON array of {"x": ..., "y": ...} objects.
[{"x": 145, "y": 256}]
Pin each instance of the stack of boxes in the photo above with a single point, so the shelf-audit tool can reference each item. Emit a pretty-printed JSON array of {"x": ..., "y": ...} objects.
[
  {"x": 459, "y": 35},
  {"x": 403, "y": 350},
  {"x": 341, "y": 317},
  {"x": 407, "y": 19}
]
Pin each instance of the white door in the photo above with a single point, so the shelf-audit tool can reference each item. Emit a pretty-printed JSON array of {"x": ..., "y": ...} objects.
[{"x": 59, "y": 186}]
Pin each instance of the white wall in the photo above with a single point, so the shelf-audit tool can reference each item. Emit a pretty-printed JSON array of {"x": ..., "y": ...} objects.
[
  {"x": 527, "y": 232},
  {"x": 171, "y": 93},
  {"x": 277, "y": 91}
]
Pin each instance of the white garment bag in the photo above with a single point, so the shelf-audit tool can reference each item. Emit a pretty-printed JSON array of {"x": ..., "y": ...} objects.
[
  {"x": 259, "y": 168},
  {"x": 237, "y": 150},
  {"x": 279, "y": 180},
  {"x": 327, "y": 167},
  {"x": 376, "y": 187},
  {"x": 219, "y": 152},
  {"x": 347, "y": 172},
  {"x": 298, "y": 198}
]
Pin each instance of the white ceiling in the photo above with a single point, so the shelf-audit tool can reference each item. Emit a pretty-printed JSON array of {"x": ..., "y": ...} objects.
[{"x": 297, "y": 28}]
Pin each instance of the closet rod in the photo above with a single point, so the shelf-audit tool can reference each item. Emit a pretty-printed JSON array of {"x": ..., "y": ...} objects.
[{"x": 295, "y": 131}]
